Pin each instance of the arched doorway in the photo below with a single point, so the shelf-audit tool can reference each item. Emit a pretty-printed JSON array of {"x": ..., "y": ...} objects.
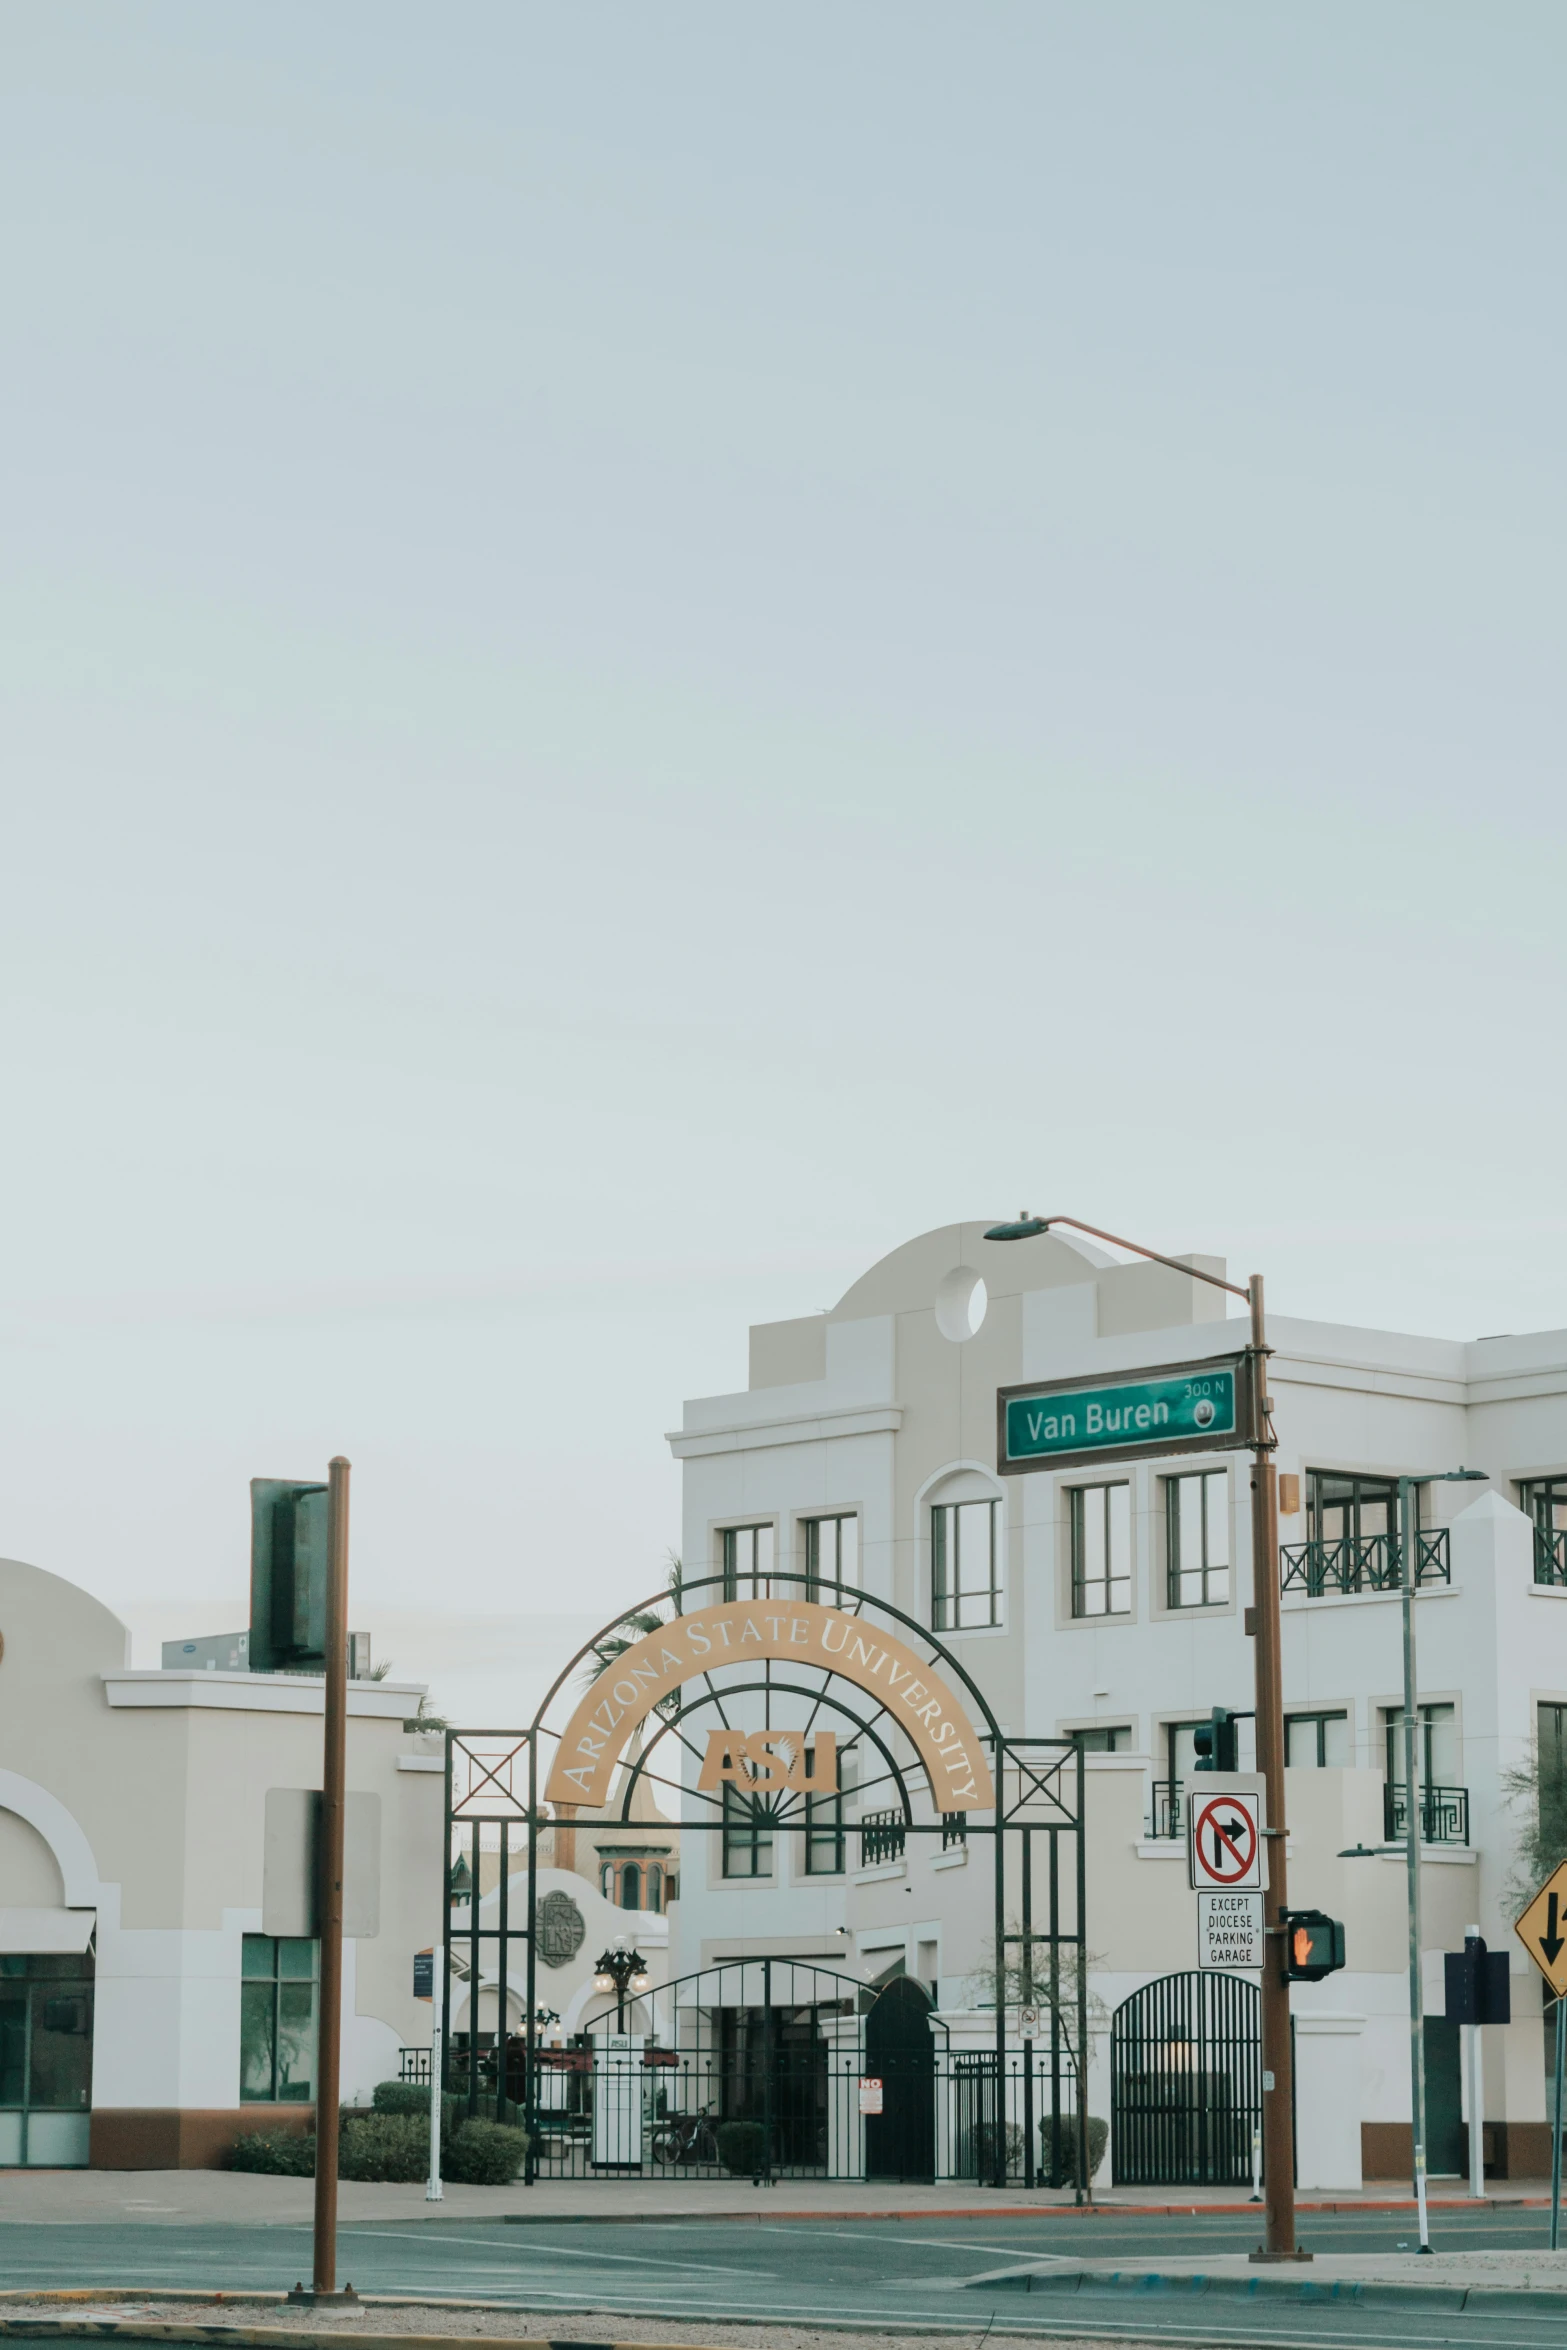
[
  {"x": 900, "y": 2141},
  {"x": 1186, "y": 2082}
]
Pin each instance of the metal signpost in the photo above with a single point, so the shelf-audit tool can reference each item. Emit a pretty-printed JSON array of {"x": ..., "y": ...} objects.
[
  {"x": 334, "y": 1774},
  {"x": 1543, "y": 1932},
  {"x": 1219, "y": 1404}
]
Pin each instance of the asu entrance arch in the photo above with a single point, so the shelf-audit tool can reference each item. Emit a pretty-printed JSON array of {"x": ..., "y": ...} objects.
[{"x": 748, "y": 1712}]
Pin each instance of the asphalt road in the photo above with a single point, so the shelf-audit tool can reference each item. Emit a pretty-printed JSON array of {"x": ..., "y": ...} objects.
[{"x": 870, "y": 2273}]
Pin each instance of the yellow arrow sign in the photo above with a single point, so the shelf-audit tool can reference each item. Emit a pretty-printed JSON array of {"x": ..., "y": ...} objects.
[{"x": 1543, "y": 1930}]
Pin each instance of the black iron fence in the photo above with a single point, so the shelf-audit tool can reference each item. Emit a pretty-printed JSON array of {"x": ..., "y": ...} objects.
[
  {"x": 1363, "y": 1562},
  {"x": 1444, "y": 1813},
  {"x": 811, "y": 2111}
]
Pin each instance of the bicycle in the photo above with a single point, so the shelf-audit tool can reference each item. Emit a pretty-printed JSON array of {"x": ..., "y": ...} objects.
[{"x": 685, "y": 2137}]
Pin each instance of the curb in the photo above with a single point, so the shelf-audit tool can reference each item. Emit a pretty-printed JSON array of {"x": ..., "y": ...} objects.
[
  {"x": 46, "y": 2329},
  {"x": 1015, "y": 2211},
  {"x": 1302, "y": 2292}
]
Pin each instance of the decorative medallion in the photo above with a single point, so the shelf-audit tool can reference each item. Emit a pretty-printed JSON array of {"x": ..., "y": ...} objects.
[{"x": 560, "y": 1929}]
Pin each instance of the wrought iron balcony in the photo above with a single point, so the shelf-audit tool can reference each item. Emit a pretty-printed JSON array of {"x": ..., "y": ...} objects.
[
  {"x": 954, "y": 1829},
  {"x": 882, "y": 1838},
  {"x": 1444, "y": 1814},
  {"x": 1165, "y": 1819},
  {"x": 1366, "y": 1562},
  {"x": 1550, "y": 1554}
]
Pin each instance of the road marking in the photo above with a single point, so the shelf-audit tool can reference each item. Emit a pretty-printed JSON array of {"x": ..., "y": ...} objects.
[
  {"x": 933, "y": 2243},
  {"x": 565, "y": 2252}
]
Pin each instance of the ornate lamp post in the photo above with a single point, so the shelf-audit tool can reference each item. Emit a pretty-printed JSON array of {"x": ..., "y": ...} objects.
[{"x": 617, "y": 1970}]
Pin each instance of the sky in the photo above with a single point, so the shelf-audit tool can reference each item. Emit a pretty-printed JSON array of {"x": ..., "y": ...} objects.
[{"x": 643, "y": 650}]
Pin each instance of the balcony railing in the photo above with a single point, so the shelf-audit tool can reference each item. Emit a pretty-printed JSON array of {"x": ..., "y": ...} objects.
[
  {"x": 1165, "y": 1819},
  {"x": 1366, "y": 1562},
  {"x": 1550, "y": 1554},
  {"x": 882, "y": 1838},
  {"x": 1444, "y": 1814},
  {"x": 954, "y": 1829}
]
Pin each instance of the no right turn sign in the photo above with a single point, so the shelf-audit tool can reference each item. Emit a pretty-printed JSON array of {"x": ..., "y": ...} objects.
[{"x": 1224, "y": 1843}]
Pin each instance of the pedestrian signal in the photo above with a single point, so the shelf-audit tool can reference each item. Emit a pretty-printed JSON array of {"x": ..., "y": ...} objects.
[{"x": 1313, "y": 1945}]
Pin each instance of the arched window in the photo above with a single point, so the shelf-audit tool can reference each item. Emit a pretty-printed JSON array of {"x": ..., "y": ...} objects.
[
  {"x": 655, "y": 1886},
  {"x": 630, "y": 1885},
  {"x": 607, "y": 1880}
]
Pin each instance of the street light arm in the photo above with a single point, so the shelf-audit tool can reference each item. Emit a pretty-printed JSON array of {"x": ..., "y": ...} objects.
[{"x": 1029, "y": 1225}]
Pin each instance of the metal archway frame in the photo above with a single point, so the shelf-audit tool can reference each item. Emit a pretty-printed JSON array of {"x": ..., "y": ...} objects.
[{"x": 1032, "y": 1798}]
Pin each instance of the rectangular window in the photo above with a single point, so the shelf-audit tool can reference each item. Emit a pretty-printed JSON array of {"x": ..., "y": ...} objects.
[
  {"x": 1355, "y": 1509},
  {"x": 824, "y": 1836},
  {"x": 1316, "y": 1742},
  {"x": 1544, "y": 1500},
  {"x": 748, "y": 1834},
  {"x": 965, "y": 1569},
  {"x": 1552, "y": 1775},
  {"x": 1108, "y": 1741},
  {"x": 277, "y": 2021},
  {"x": 1197, "y": 1532},
  {"x": 1101, "y": 1550},
  {"x": 748, "y": 1562},
  {"x": 1436, "y": 1745},
  {"x": 832, "y": 1559}
]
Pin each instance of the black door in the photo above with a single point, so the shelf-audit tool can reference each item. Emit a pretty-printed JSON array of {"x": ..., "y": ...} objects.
[
  {"x": 900, "y": 2141},
  {"x": 1186, "y": 2081},
  {"x": 1445, "y": 2148}
]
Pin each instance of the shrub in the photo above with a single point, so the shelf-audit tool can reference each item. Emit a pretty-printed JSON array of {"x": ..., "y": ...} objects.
[
  {"x": 385, "y": 2146},
  {"x": 985, "y": 2148},
  {"x": 1059, "y": 2161},
  {"x": 286, "y": 2154},
  {"x": 741, "y": 2148},
  {"x": 483, "y": 2154},
  {"x": 402, "y": 2097}
]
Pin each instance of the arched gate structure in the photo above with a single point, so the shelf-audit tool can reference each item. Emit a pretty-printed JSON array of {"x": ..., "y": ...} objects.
[{"x": 738, "y": 1685}]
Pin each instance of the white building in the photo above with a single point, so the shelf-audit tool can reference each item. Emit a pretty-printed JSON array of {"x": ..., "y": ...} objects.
[
  {"x": 1110, "y": 1605},
  {"x": 157, "y": 1972}
]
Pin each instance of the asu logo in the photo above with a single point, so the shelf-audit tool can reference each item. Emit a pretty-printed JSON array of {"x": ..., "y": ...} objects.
[{"x": 767, "y": 1762}]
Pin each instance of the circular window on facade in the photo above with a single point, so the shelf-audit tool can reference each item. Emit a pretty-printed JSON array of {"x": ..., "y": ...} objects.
[{"x": 960, "y": 1304}]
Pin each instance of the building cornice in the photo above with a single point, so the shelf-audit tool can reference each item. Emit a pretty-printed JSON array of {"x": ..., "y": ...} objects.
[
  {"x": 690, "y": 1444},
  {"x": 261, "y": 1693}
]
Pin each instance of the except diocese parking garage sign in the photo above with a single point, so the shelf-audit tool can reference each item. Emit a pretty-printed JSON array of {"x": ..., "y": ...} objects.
[
  {"x": 1182, "y": 1407},
  {"x": 1229, "y": 1930}
]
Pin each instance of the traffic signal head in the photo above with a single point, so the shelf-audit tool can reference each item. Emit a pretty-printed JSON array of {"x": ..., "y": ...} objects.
[
  {"x": 287, "y": 1576},
  {"x": 1216, "y": 1742},
  {"x": 1313, "y": 1945}
]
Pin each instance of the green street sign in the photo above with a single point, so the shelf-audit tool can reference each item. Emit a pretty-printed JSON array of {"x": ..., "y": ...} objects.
[{"x": 1181, "y": 1407}]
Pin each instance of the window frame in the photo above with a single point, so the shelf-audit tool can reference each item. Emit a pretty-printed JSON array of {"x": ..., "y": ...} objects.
[
  {"x": 831, "y": 1589},
  {"x": 746, "y": 1830},
  {"x": 947, "y": 1592},
  {"x": 1077, "y": 1517},
  {"x": 824, "y": 1825},
  {"x": 278, "y": 1982},
  {"x": 1175, "y": 1571},
  {"x": 1321, "y": 1716},
  {"x": 735, "y": 1573}
]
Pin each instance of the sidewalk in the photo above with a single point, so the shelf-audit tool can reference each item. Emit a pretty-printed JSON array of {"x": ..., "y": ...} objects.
[{"x": 190, "y": 2197}]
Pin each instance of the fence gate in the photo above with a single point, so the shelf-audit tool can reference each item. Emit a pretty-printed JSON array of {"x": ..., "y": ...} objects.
[{"x": 1186, "y": 2082}]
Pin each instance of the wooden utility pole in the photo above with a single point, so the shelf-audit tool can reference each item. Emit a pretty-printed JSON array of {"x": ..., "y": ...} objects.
[{"x": 334, "y": 1771}]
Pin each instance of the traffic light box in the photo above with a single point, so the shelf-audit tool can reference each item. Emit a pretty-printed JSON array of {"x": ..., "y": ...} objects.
[
  {"x": 1216, "y": 1742},
  {"x": 287, "y": 1576},
  {"x": 1313, "y": 1945}
]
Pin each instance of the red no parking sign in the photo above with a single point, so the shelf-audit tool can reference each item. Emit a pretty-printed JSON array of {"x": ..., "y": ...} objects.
[{"x": 1224, "y": 1844}]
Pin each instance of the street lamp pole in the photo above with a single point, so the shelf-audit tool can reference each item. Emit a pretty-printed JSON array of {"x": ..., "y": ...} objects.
[
  {"x": 1278, "y": 2070},
  {"x": 1407, "y": 1507}
]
